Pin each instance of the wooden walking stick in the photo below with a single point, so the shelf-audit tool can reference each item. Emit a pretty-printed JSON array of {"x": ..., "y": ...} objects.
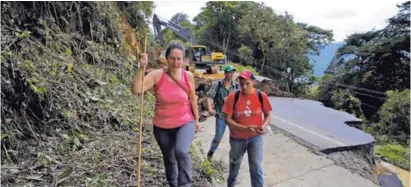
[{"x": 140, "y": 129}]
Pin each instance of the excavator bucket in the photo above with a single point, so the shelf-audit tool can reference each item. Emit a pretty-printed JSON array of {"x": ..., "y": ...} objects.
[{"x": 212, "y": 70}]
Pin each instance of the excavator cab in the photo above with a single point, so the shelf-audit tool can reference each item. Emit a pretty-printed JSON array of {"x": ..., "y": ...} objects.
[{"x": 199, "y": 53}]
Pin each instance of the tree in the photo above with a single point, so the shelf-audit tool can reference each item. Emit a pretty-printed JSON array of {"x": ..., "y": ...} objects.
[
  {"x": 138, "y": 13},
  {"x": 395, "y": 118},
  {"x": 376, "y": 60},
  {"x": 179, "y": 18},
  {"x": 345, "y": 101},
  {"x": 317, "y": 37},
  {"x": 246, "y": 55},
  {"x": 218, "y": 23},
  {"x": 258, "y": 25},
  {"x": 326, "y": 86},
  {"x": 253, "y": 33}
]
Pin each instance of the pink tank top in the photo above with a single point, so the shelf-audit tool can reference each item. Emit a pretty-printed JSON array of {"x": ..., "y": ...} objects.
[{"x": 173, "y": 107}]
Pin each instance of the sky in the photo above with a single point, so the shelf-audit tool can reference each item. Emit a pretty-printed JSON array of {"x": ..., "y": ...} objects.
[{"x": 344, "y": 17}]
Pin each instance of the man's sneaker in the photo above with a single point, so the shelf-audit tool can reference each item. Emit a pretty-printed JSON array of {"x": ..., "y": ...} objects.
[{"x": 210, "y": 155}]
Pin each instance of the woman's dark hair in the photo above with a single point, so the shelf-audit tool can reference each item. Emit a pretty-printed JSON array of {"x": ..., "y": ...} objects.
[{"x": 174, "y": 45}]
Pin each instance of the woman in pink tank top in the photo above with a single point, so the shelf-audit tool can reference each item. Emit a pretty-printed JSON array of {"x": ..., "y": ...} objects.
[{"x": 176, "y": 113}]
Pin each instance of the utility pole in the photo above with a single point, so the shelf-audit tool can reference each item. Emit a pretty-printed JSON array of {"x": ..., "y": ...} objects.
[{"x": 286, "y": 80}]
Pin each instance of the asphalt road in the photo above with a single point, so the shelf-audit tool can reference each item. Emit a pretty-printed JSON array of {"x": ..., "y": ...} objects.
[{"x": 316, "y": 124}]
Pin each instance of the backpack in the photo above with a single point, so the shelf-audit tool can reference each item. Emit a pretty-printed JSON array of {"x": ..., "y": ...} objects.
[
  {"x": 219, "y": 84},
  {"x": 237, "y": 95}
]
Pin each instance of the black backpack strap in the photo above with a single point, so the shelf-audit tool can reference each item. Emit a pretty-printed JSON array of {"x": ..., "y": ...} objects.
[
  {"x": 218, "y": 89},
  {"x": 237, "y": 94},
  {"x": 260, "y": 97}
]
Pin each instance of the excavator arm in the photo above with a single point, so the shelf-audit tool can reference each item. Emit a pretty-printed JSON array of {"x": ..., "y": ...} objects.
[
  {"x": 182, "y": 32},
  {"x": 205, "y": 57}
]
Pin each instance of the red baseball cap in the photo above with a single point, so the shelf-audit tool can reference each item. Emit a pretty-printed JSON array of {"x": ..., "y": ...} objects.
[{"x": 247, "y": 74}]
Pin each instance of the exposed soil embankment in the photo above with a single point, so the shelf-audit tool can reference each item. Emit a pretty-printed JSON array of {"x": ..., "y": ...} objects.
[{"x": 358, "y": 159}]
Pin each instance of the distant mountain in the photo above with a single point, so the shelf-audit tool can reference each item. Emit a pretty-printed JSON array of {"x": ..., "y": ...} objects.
[{"x": 326, "y": 55}]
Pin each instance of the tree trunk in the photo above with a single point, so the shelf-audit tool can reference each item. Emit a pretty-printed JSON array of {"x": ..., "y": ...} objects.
[
  {"x": 286, "y": 84},
  {"x": 225, "y": 45},
  {"x": 264, "y": 51},
  {"x": 290, "y": 81},
  {"x": 224, "y": 48},
  {"x": 262, "y": 65}
]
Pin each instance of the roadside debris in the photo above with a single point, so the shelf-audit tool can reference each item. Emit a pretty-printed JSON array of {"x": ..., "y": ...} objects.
[{"x": 269, "y": 87}]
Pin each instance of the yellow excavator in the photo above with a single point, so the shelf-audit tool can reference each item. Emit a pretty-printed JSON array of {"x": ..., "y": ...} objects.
[{"x": 196, "y": 55}]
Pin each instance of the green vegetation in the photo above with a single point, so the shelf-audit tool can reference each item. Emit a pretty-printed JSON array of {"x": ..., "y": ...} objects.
[
  {"x": 395, "y": 153},
  {"x": 213, "y": 170},
  {"x": 370, "y": 78},
  {"x": 343, "y": 100},
  {"x": 253, "y": 35},
  {"x": 68, "y": 116},
  {"x": 240, "y": 68}
]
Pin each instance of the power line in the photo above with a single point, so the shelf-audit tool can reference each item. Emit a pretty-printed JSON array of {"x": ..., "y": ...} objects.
[
  {"x": 343, "y": 85},
  {"x": 362, "y": 89},
  {"x": 369, "y": 105},
  {"x": 354, "y": 92},
  {"x": 346, "y": 86},
  {"x": 369, "y": 95},
  {"x": 362, "y": 102},
  {"x": 284, "y": 74}
]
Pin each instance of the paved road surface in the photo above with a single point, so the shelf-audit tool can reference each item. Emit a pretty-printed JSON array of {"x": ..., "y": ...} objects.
[
  {"x": 321, "y": 126},
  {"x": 318, "y": 125},
  {"x": 285, "y": 163}
]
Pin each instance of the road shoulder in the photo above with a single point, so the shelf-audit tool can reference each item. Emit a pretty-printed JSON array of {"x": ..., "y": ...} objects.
[{"x": 286, "y": 162}]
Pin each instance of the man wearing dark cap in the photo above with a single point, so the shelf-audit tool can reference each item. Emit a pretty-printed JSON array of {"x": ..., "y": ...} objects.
[
  {"x": 243, "y": 111},
  {"x": 217, "y": 95}
]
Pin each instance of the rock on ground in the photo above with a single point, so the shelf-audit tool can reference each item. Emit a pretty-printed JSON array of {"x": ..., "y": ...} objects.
[{"x": 202, "y": 87}]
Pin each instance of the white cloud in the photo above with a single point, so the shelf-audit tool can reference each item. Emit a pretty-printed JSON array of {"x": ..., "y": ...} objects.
[
  {"x": 343, "y": 17},
  {"x": 167, "y": 9}
]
